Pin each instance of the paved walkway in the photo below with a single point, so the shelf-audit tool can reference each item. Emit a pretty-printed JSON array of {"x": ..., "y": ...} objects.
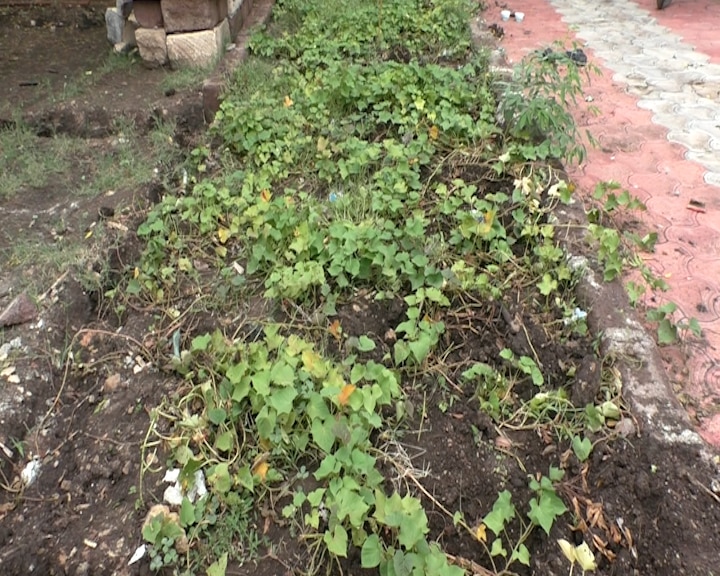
[{"x": 659, "y": 135}]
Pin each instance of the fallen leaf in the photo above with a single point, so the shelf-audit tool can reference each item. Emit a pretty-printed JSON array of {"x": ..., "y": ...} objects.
[
  {"x": 628, "y": 537},
  {"x": 599, "y": 543},
  {"x": 345, "y": 394},
  {"x": 86, "y": 339},
  {"x": 159, "y": 510},
  {"x": 593, "y": 515},
  {"x": 111, "y": 383},
  {"x": 585, "y": 557},
  {"x": 261, "y": 469},
  {"x": 7, "y": 453},
  {"x": 568, "y": 550},
  {"x": 335, "y": 329},
  {"x": 223, "y": 235},
  {"x": 581, "y": 525},
  {"x": 266, "y": 525},
  {"x": 6, "y": 507}
]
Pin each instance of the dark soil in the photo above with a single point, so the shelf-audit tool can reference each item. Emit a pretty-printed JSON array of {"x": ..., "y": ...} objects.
[
  {"x": 60, "y": 74},
  {"x": 653, "y": 507}
]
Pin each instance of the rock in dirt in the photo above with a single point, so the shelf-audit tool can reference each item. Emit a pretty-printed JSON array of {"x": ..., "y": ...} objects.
[
  {"x": 626, "y": 428},
  {"x": 115, "y": 24},
  {"x": 30, "y": 473},
  {"x": 19, "y": 311}
]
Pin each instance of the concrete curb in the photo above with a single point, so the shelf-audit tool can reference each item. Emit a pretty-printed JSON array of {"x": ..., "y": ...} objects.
[
  {"x": 645, "y": 382},
  {"x": 637, "y": 357}
]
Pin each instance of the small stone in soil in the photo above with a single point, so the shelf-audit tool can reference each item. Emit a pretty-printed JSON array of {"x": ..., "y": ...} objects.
[{"x": 19, "y": 311}]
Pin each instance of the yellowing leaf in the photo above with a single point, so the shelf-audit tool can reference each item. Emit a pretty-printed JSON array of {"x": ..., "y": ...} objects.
[
  {"x": 311, "y": 360},
  {"x": 486, "y": 225},
  {"x": 288, "y": 102},
  {"x": 265, "y": 195},
  {"x": 434, "y": 133},
  {"x": 322, "y": 144},
  {"x": 335, "y": 329},
  {"x": 480, "y": 533},
  {"x": 345, "y": 394},
  {"x": 568, "y": 550},
  {"x": 136, "y": 272},
  {"x": 585, "y": 557},
  {"x": 260, "y": 468},
  {"x": 223, "y": 235}
]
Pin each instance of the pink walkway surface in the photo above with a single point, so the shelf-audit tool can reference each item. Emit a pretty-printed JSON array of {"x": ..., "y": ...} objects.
[{"x": 636, "y": 153}]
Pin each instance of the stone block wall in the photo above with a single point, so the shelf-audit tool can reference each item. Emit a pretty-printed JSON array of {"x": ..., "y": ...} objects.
[{"x": 181, "y": 33}]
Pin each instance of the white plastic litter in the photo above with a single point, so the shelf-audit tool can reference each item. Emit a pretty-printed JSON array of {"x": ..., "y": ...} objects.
[
  {"x": 138, "y": 554},
  {"x": 578, "y": 314},
  {"x": 198, "y": 489},
  {"x": 173, "y": 495},
  {"x": 172, "y": 475}
]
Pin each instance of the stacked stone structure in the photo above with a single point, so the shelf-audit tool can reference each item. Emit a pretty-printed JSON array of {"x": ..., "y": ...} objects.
[{"x": 181, "y": 33}]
